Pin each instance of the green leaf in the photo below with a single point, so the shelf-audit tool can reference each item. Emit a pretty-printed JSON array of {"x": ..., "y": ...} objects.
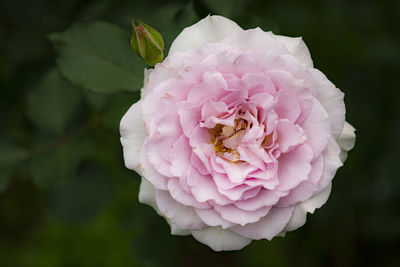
[
  {"x": 90, "y": 190},
  {"x": 97, "y": 56},
  {"x": 58, "y": 163},
  {"x": 53, "y": 104},
  {"x": 10, "y": 156}
]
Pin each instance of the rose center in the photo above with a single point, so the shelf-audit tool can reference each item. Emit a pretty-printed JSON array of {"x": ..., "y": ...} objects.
[{"x": 226, "y": 139}]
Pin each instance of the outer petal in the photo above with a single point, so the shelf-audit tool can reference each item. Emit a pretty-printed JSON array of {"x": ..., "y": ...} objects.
[
  {"x": 175, "y": 230},
  {"x": 297, "y": 48},
  {"x": 331, "y": 98},
  {"x": 183, "y": 216},
  {"x": 213, "y": 218},
  {"x": 269, "y": 226},
  {"x": 346, "y": 140},
  {"x": 298, "y": 219},
  {"x": 317, "y": 200},
  {"x": 211, "y": 29},
  {"x": 219, "y": 239},
  {"x": 299, "y": 216},
  {"x": 331, "y": 164},
  {"x": 132, "y": 136},
  {"x": 147, "y": 194},
  {"x": 256, "y": 39},
  {"x": 317, "y": 128}
]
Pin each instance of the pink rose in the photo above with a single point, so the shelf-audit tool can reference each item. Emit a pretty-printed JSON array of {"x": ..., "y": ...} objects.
[{"x": 237, "y": 136}]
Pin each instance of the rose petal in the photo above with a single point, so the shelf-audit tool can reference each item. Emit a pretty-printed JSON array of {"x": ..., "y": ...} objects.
[
  {"x": 211, "y": 29},
  {"x": 183, "y": 197},
  {"x": 264, "y": 198},
  {"x": 213, "y": 218},
  {"x": 180, "y": 156},
  {"x": 294, "y": 167},
  {"x": 175, "y": 230},
  {"x": 256, "y": 39},
  {"x": 346, "y": 140},
  {"x": 317, "y": 200},
  {"x": 297, "y": 48},
  {"x": 219, "y": 239},
  {"x": 289, "y": 135},
  {"x": 268, "y": 227},
  {"x": 236, "y": 215},
  {"x": 331, "y": 163},
  {"x": 331, "y": 99},
  {"x": 317, "y": 128},
  {"x": 183, "y": 216},
  {"x": 132, "y": 137},
  {"x": 298, "y": 219},
  {"x": 147, "y": 194}
]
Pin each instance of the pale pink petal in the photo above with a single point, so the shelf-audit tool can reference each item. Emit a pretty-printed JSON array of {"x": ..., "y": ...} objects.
[
  {"x": 236, "y": 215},
  {"x": 346, "y": 140},
  {"x": 208, "y": 30},
  {"x": 268, "y": 227},
  {"x": 213, "y": 218},
  {"x": 297, "y": 48},
  {"x": 287, "y": 107},
  {"x": 306, "y": 188},
  {"x": 236, "y": 172},
  {"x": 221, "y": 239},
  {"x": 264, "y": 198},
  {"x": 183, "y": 216},
  {"x": 175, "y": 230},
  {"x": 317, "y": 200},
  {"x": 298, "y": 219},
  {"x": 256, "y": 39},
  {"x": 158, "y": 180},
  {"x": 294, "y": 167},
  {"x": 331, "y": 99},
  {"x": 204, "y": 188},
  {"x": 183, "y": 197},
  {"x": 212, "y": 87},
  {"x": 332, "y": 163},
  {"x": 317, "y": 129},
  {"x": 132, "y": 137},
  {"x": 180, "y": 156},
  {"x": 189, "y": 117},
  {"x": 289, "y": 135},
  {"x": 147, "y": 194}
]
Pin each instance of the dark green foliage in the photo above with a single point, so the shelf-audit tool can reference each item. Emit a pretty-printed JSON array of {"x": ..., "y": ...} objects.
[
  {"x": 97, "y": 56},
  {"x": 67, "y": 76}
]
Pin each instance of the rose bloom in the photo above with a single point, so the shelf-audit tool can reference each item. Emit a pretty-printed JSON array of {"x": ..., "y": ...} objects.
[{"x": 236, "y": 136}]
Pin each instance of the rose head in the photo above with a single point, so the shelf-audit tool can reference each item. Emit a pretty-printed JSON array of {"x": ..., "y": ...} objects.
[{"x": 236, "y": 135}]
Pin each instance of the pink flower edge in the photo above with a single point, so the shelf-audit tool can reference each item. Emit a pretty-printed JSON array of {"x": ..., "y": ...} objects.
[{"x": 223, "y": 227}]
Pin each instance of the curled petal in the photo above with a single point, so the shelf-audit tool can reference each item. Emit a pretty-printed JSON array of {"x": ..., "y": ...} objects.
[
  {"x": 211, "y": 29},
  {"x": 346, "y": 140},
  {"x": 268, "y": 227},
  {"x": 183, "y": 216},
  {"x": 297, "y": 48},
  {"x": 221, "y": 239},
  {"x": 213, "y": 218},
  {"x": 236, "y": 215},
  {"x": 147, "y": 194},
  {"x": 256, "y": 39},
  {"x": 175, "y": 230},
  {"x": 132, "y": 137},
  {"x": 331, "y": 99}
]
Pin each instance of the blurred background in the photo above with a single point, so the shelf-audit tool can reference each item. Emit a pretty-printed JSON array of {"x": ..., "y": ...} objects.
[{"x": 66, "y": 198}]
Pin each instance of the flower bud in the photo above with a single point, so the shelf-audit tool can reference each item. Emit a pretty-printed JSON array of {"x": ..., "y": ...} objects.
[{"x": 147, "y": 43}]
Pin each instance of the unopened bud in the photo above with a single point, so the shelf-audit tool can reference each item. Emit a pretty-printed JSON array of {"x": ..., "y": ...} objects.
[{"x": 147, "y": 43}]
